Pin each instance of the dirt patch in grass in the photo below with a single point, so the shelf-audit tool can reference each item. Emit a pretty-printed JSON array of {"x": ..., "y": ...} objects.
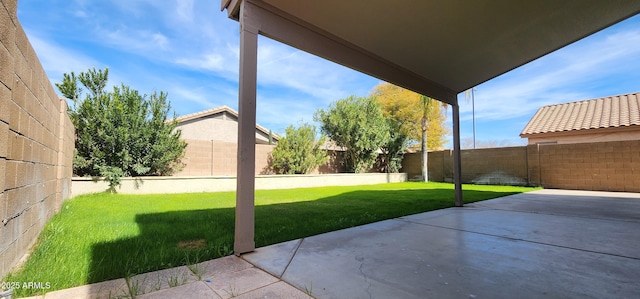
[{"x": 192, "y": 244}]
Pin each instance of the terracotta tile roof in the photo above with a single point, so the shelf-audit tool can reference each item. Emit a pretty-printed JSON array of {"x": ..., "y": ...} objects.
[{"x": 607, "y": 112}]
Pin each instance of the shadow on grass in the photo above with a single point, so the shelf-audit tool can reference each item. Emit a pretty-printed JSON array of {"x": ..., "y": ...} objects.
[{"x": 177, "y": 238}]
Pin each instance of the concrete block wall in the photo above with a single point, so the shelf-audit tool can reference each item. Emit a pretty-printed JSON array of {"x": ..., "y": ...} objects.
[
  {"x": 495, "y": 166},
  {"x": 218, "y": 158},
  {"x": 439, "y": 165},
  {"x": 436, "y": 165},
  {"x": 533, "y": 165},
  {"x": 498, "y": 166},
  {"x": 36, "y": 143},
  {"x": 602, "y": 166}
]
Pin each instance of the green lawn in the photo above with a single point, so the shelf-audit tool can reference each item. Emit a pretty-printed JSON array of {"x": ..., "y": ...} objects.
[{"x": 106, "y": 236}]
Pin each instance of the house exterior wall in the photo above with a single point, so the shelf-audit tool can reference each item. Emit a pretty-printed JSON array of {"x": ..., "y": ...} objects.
[
  {"x": 218, "y": 129},
  {"x": 334, "y": 164},
  {"x": 36, "y": 143},
  {"x": 219, "y": 158},
  {"x": 602, "y": 166}
]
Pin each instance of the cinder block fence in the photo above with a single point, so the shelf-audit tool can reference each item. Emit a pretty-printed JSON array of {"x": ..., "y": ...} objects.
[
  {"x": 602, "y": 166},
  {"x": 36, "y": 143}
]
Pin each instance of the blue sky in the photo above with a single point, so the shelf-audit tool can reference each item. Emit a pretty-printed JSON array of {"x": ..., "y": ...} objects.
[{"x": 189, "y": 48}]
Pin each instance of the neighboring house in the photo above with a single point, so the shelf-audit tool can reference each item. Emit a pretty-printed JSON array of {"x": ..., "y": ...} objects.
[
  {"x": 613, "y": 118},
  {"x": 219, "y": 124},
  {"x": 212, "y": 146}
]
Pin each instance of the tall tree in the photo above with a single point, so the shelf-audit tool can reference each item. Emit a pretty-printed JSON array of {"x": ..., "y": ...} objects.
[
  {"x": 407, "y": 106},
  {"x": 299, "y": 152},
  {"x": 358, "y": 125},
  {"x": 120, "y": 132},
  {"x": 421, "y": 118},
  {"x": 396, "y": 146}
]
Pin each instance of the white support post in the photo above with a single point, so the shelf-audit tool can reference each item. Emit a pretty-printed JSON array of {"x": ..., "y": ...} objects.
[
  {"x": 245, "y": 188},
  {"x": 457, "y": 161}
]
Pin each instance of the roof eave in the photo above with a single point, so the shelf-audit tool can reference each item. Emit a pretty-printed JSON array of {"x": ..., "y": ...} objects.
[
  {"x": 582, "y": 131},
  {"x": 232, "y": 7}
]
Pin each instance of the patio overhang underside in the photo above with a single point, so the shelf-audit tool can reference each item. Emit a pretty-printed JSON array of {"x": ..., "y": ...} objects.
[{"x": 435, "y": 48}]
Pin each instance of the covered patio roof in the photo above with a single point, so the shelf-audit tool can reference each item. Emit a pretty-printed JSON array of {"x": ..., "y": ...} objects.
[{"x": 435, "y": 48}]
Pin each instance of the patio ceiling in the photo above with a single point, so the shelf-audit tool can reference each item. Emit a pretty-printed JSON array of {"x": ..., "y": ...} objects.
[{"x": 436, "y": 48}]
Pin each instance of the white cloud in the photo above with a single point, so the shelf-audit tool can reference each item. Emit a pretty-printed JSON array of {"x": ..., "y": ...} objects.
[
  {"x": 214, "y": 62},
  {"x": 159, "y": 40},
  {"x": 184, "y": 10},
  {"x": 80, "y": 14},
  {"x": 141, "y": 42},
  {"x": 280, "y": 65},
  {"x": 58, "y": 59},
  {"x": 191, "y": 95},
  {"x": 277, "y": 113},
  {"x": 563, "y": 76}
]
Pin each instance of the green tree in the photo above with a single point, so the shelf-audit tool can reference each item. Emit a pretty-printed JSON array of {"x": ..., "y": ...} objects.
[
  {"x": 358, "y": 125},
  {"x": 418, "y": 117},
  {"x": 299, "y": 152},
  {"x": 396, "y": 146},
  {"x": 121, "y": 132}
]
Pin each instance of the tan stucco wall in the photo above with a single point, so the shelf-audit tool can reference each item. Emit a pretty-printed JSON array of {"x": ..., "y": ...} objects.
[
  {"x": 216, "y": 129},
  {"x": 161, "y": 185},
  {"x": 36, "y": 143}
]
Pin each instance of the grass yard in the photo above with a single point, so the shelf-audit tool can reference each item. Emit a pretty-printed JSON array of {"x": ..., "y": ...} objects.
[{"x": 106, "y": 236}]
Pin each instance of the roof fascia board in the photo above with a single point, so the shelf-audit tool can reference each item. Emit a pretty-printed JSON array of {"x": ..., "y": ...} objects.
[
  {"x": 583, "y": 131},
  {"x": 232, "y": 7},
  {"x": 287, "y": 29},
  {"x": 221, "y": 109},
  {"x": 206, "y": 113}
]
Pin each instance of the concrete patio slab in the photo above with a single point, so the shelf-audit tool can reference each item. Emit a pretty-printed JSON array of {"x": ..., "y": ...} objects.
[
  {"x": 228, "y": 285},
  {"x": 563, "y": 231},
  {"x": 618, "y": 206},
  {"x": 196, "y": 290},
  {"x": 163, "y": 279},
  {"x": 225, "y": 277},
  {"x": 547, "y": 243},
  {"x": 214, "y": 268},
  {"x": 278, "y": 290},
  {"x": 274, "y": 259},
  {"x": 107, "y": 289}
]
